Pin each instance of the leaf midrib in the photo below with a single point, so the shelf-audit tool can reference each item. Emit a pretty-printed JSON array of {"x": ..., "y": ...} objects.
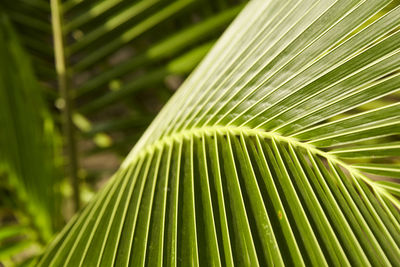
[
  {"x": 237, "y": 131},
  {"x": 187, "y": 134}
]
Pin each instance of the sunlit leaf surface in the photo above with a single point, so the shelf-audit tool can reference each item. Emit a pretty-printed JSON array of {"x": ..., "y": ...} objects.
[{"x": 273, "y": 152}]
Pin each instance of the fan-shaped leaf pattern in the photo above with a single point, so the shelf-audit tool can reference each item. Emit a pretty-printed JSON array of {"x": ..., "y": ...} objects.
[{"x": 248, "y": 163}]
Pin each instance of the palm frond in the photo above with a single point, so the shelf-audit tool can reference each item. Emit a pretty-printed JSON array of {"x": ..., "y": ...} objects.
[
  {"x": 28, "y": 149},
  {"x": 249, "y": 163}
]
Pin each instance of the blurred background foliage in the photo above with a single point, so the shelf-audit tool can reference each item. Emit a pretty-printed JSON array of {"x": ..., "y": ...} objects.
[
  {"x": 95, "y": 72},
  {"x": 29, "y": 155}
]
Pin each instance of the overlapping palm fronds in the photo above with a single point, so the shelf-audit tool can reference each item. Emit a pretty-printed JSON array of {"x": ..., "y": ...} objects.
[{"x": 117, "y": 62}]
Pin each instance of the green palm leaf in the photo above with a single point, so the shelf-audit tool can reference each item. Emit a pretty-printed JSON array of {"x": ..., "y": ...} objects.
[
  {"x": 29, "y": 164},
  {"x": 264, "y": 155}
]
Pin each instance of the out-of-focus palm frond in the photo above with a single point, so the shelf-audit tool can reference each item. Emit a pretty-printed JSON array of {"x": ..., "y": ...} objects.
[{"x": 28, "y": 156}]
